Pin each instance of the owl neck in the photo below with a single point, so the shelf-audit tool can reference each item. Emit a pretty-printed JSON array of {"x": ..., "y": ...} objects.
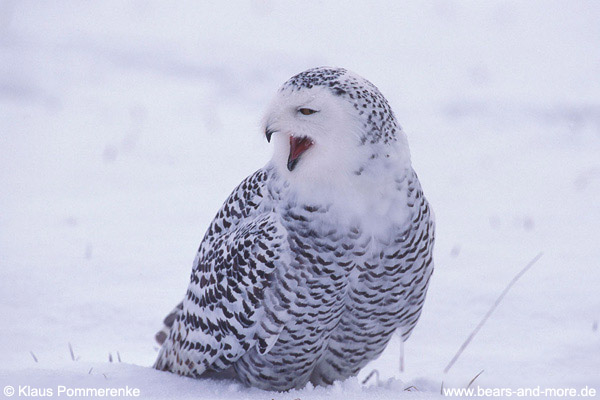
[{"x": 369, "y": 189}]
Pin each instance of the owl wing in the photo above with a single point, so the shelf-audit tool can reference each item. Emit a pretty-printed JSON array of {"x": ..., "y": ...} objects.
[
  {"x": 230, "y": 305},
  {"x": 415, "y": 257}
]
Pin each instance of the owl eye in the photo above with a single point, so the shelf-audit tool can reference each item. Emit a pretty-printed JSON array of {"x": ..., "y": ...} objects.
[{"x": 306, "y": 111}]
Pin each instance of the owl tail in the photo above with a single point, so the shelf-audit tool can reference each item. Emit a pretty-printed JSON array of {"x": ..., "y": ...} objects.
[{"x": 163, "y": 334}]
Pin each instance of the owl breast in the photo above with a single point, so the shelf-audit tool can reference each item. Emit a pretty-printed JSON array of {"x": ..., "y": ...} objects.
[{"x": 347, "y": 290}]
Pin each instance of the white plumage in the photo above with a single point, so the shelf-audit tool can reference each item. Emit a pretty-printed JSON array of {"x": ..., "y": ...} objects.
[{"x": 316, "y": 259}]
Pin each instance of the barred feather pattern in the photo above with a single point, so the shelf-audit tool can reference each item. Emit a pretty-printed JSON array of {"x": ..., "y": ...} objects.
[
  {"x": 281, "y": 295},
  {"x": 223, "y": 313}
]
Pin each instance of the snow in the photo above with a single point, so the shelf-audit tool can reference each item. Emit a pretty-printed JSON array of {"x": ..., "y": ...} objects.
[{"x": 124, "y": 125}]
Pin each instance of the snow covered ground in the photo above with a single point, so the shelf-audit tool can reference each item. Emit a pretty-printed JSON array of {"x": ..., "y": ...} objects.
[{"x": 124, "y": 125}]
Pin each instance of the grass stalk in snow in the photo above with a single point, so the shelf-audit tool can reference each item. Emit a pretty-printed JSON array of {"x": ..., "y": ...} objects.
[
  {"x": 371, "y": 374},
  {"x": 71, "y": 351},
  {"x": 401, "y": 355},
  {"x": 474, "y": 378},
  {"x": 490, "y": 311}
]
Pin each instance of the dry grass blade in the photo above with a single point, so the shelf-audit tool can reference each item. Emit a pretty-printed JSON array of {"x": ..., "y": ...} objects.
[
  {"x": 110, "y": 359},
  {"x": 374, "y": 372},
  {"x": 71, "y": 351},
  {"x": 90, "y": 371},
  {"x": 475, "y": 377},
  {"x": 34, "y": 357},
  {"x": 490, "y": 311},
  {"x": 401, "y": 355},
  {"x": 118, "y": 356}
]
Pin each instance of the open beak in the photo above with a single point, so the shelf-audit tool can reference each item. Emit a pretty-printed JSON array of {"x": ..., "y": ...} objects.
[{"x": 298, "y": 145}]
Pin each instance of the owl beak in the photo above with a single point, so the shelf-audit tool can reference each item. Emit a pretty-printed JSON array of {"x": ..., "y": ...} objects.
[
  {"x": 268, "y": 133},
  {"x": 298, "y": 145}
]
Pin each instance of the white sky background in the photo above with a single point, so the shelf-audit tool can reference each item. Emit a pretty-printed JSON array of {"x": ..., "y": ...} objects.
[{"x": 124, "y": 125}]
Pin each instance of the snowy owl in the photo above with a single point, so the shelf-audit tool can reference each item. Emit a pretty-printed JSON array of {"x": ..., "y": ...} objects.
[{"x": 316, "y": 259}]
